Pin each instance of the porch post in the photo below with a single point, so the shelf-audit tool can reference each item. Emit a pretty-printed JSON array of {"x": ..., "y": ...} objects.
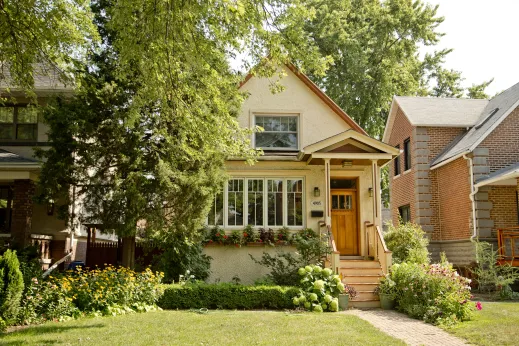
[
  {"x": 376, "y": 192},
  {"x": 327, "y": 212}
]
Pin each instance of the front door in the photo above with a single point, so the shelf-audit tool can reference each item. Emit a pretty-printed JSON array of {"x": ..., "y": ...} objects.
[{"x": 344, "y": 221}]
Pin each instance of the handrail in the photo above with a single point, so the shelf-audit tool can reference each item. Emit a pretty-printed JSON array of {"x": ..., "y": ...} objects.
[
  {"x": 335, "y": 258},
  {"x": 381, "y": 239},
  {"x": 376, "y": 247}
]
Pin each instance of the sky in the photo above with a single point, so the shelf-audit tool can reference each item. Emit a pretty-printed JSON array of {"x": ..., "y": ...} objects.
[{"x": 484, "y": 35}]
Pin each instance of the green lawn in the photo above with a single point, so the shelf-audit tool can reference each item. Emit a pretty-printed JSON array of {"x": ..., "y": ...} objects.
[
  {"x": 213, "y": 328},
  {"x": 496, "y": 324}
]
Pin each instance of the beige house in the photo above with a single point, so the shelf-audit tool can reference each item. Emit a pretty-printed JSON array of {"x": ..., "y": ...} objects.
[{"x": 319, "y": 170}]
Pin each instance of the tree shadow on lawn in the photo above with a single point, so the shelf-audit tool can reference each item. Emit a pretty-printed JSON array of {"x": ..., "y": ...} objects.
[{"x": 54, "y": 328}]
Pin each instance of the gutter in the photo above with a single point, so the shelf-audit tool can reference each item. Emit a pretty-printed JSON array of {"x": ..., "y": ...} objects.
[{"x": 438, "y": 165}]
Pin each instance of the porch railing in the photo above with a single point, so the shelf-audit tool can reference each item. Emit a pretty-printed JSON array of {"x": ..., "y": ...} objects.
[
  {"x": 335, "y": 256},
  {"x": 376, "y": 247},
  {"x": 508, "y": 244}
]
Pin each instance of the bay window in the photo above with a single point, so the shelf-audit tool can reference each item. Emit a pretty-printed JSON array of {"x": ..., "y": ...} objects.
[{"x": 259, "y": 202}]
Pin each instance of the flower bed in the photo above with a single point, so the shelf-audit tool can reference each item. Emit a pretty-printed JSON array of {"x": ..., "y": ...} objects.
[
  {"x": 227, "y": 296},
  {"x": 252, "y": 237}
]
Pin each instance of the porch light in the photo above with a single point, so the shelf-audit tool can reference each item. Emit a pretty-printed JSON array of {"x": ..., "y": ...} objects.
[
  {"x": 317, "y": 192},
  {"x": 50, "y": 207},
  {"x": 370, "y": 190},
  {"x": 347, "y": 163}
]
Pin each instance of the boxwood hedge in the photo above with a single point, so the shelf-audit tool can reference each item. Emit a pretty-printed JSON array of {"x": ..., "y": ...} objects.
[{"x": 227, "y": 296}]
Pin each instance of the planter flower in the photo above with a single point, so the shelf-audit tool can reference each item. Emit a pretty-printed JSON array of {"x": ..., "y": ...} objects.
[{"x": 386, "y": 291}]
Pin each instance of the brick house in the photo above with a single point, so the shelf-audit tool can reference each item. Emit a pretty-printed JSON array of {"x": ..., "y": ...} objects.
[{"x": 457, "y": 176}]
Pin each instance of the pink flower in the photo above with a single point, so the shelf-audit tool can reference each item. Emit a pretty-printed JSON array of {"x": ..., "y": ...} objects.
[{"x": 478, "y": 306}]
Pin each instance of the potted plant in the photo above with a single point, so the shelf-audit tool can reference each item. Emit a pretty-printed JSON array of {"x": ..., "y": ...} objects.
[
  {"x": 386, "y": 291},
  {"x": 349, "y": 292}
]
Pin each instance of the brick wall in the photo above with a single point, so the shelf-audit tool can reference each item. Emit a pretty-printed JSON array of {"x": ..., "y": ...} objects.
[
  {"x": 402, "y": 187},
  {"x": 21, "y": 222},
  {"x": 504, "y": 206},
  {"x": 455, "y": 207},
  {"x": 503, "y": 143}
]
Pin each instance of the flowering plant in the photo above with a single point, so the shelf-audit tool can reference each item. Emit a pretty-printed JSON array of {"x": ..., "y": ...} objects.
[
  {"x": 387, "y": 286},
  {"x": 319, "y": 289},
  {"x": 250, "y": 235},
  {"x": 282, "y": 235}
]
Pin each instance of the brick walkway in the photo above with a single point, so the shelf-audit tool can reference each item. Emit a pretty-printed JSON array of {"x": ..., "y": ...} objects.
[{"x": 411, "y": 331}]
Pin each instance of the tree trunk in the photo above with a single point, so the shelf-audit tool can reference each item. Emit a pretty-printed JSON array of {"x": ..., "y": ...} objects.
[{"x": 128, "y": 255}]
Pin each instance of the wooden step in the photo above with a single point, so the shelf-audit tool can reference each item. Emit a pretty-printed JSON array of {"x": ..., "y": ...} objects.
[
  {"x": 364, "y": 278},
  {"x": 363, "y": 286},
  {"x": 366, "y": 295},
  {"x": 359, "y": 264},
  {"x": 364, "y": 304},
  {"x": 361, "y": 271}
]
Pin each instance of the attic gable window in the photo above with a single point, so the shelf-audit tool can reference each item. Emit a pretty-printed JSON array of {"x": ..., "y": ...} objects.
[
  {"x": 280, "y": 132},
  {"x": 19, "y": 123}
]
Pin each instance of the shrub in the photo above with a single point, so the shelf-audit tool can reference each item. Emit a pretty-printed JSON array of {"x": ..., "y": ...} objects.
[
  {"x": 386, "y": 286},
  {"x": 216, "y": 236},
  {"x": 227, "y": 296},
  {"x": 434, "y": 293},
  {"x": 235, "y": 238},
  {"x": 250, "y": 235},
  {"x": 491, "y": 276},
  {"x": 310, "y": 249},
  {"x": 11, "y": 287},
  {"x": 320, "y": 289},
  {"x": 408, "y": 243},
  {"x": 180, "y": 255},
  {"x": 266, "y": 236}
]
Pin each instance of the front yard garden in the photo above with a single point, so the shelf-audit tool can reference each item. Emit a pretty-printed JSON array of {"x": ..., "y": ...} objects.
[{"x": 213, "y": 328}]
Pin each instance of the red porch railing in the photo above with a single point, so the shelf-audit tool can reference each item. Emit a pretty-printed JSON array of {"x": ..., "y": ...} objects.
[{"x": 508, "y": 243}]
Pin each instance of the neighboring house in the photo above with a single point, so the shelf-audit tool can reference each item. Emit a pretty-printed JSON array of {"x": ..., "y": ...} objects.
[
  {"x": 319, "y": 170},
  {"x": 458, "y": 174}
]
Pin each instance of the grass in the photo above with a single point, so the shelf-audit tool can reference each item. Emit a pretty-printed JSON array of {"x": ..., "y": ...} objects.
[
  {"x": 214, "y": 328},
  {"x": 496, "y": 324}
]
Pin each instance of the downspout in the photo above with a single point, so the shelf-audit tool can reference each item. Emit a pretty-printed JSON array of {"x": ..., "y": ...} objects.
[{"x": 473, "y": 191}]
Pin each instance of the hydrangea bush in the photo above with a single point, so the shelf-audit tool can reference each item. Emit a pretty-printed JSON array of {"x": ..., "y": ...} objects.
[
  {"x": 320, "y": 289},
  {"x": 435, "y": 293}
]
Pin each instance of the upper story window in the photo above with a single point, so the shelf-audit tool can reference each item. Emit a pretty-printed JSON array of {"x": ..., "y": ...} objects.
[
  {"x": 19, "y": 122},
  {"x": 280, "y": 132},
  {"x": 397, "y": 163},
  {"x": 407, "y": 154}
]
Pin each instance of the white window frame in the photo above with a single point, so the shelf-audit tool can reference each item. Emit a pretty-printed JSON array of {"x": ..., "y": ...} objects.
[
  {"x": 275, "y": 114},
  {"x": 265, "y": 203}
]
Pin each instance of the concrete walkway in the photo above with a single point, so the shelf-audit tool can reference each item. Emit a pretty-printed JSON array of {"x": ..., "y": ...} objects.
[{"x": 411, "y": 331}]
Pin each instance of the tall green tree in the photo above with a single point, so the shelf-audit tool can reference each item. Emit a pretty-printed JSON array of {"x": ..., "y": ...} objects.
[
  {"x": 154, "y": 119},
  {"x": 46, "y": 35}
]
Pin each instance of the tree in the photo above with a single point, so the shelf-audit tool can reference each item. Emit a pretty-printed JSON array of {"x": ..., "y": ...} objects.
[
  {"x": 146, "y": 137},
  {"x": 477, "y": 91},
  {"x": 41, "y": 35}
]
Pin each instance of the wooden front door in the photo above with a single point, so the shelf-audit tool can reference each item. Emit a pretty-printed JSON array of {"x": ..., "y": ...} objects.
[{"x": 344, "y": 221}]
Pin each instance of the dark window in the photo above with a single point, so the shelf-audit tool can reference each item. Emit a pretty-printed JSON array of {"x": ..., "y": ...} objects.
[
  {"x": 343, "y": 183},
  {"x": 405, "y": 213},
  {"x": 6, "y": 201},
  {"x": 397, "y": 163},
  {"x": 19, "y": 123},
  {"x": 279, "y": 132},
  {"x": 407, "y": 154}
]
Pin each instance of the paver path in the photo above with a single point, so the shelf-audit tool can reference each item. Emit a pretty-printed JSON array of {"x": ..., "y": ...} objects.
[{"x": 413, "y": 332}]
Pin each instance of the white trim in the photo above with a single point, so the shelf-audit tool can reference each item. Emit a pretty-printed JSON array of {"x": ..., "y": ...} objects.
[
  {"x": 312, "y": 148},
  {"x": 511, "y": 175},
  {"x": 443, "y": 163},
  {"x": 369, "y": 156}
]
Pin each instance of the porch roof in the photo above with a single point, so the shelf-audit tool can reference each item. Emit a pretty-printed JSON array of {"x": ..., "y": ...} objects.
[
  {"x": 506, "y": 176},
  {"x": 351, "y": 146}
]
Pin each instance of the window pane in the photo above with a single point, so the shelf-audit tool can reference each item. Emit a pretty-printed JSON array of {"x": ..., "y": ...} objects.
[
  {"x": 295, "y": 202},
  {"x": 27, "y": 115},
  {"x": 275, "y": 202},
  {"x": 335, "y": 202},
  {"x": 276, "y": 140},
  {"x": 6, "y": 114},
  {"x": 5, "y": 210},
  {"x": 215, "y": 217},
  {"x": 26, "y": 131},
  {"x": 235, "y": 202},
  {"x": 348, "y": 203},
  {"x": 6, "y": 131},
  {"x": 255, "y": 202}
]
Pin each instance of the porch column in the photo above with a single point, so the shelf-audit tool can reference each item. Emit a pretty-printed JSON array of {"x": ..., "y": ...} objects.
[
  {"x": 21, "y": 222},
  {"x": 376, "y": 193},
  {"x": 327, "y": 211}
]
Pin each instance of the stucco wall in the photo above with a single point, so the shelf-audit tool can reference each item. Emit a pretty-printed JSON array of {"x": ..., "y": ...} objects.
[
  {"x": 229, "y": 262},
  {"x": 317, "y": 120}
]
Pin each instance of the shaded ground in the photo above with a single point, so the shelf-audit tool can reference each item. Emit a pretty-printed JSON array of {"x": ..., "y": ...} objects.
[{"x": 214, "y": 328}]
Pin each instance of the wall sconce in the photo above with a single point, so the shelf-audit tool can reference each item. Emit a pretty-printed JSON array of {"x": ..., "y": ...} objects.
[
  {"x": 50, "y": 207},
  {"x": 347, "y": 163},
  {"x": 317, "y": 192},
  {"x": 370, "y": 191}
]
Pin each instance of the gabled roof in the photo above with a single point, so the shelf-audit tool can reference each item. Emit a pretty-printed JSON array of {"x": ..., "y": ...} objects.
[
  {"x": 510, "y": 172},
  {"x": 321, "y": 94},
  {"x": 45, "y": 79},
  {"x": 496, "y": 110},
  {"x": 435, "y": 111}
]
